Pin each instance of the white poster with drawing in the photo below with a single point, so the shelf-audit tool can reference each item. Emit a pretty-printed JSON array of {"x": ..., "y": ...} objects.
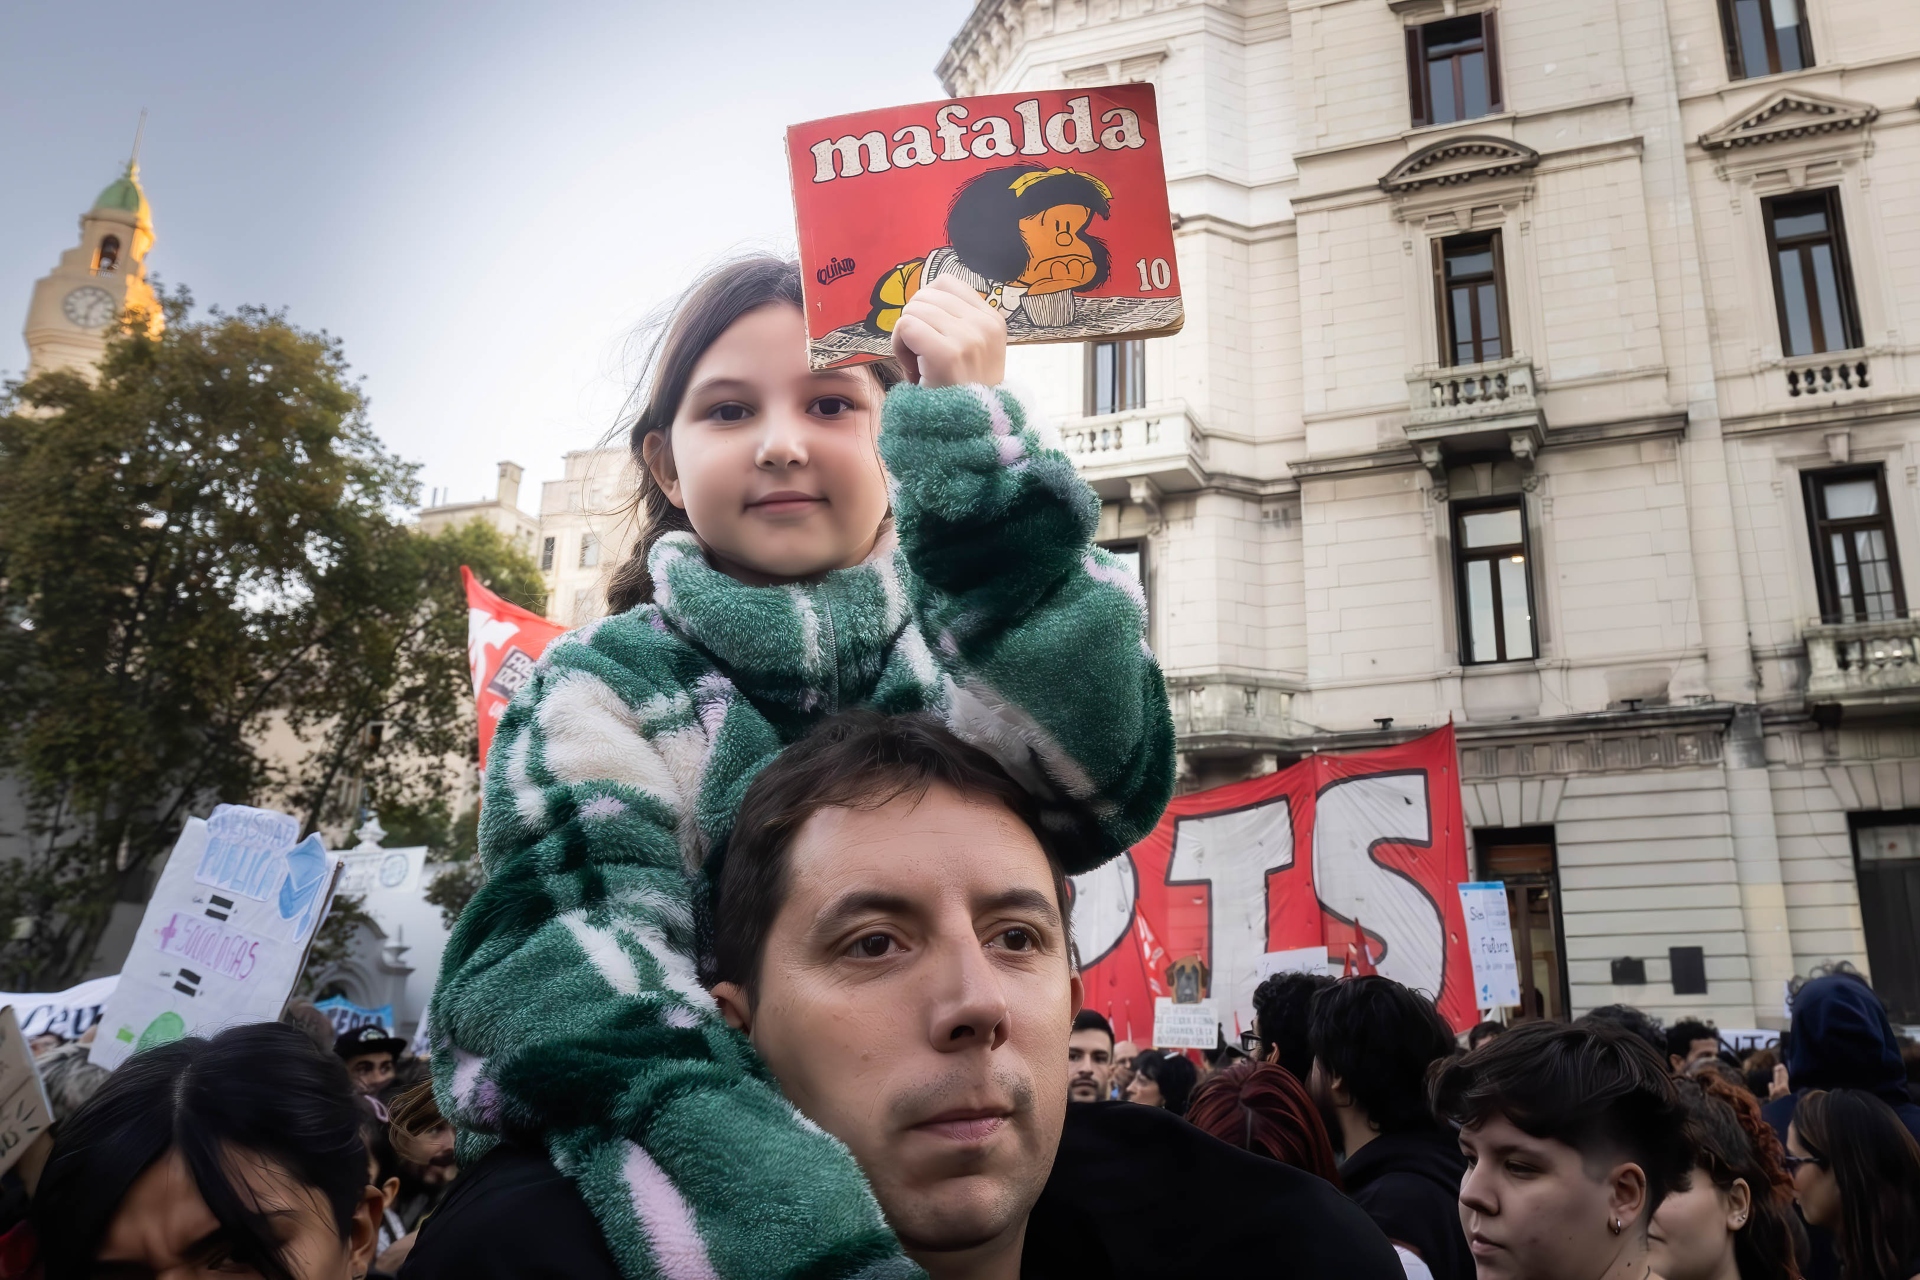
[
  {"x": 1185, "y": 1026},
  {"x": 225, "y": 933},
  {"x": 24, "y": 1113},
  {"x": 1496, "y": 974}
]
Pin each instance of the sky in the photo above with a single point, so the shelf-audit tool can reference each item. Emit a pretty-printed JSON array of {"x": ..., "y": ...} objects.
[{"x": 485, "y": 202}]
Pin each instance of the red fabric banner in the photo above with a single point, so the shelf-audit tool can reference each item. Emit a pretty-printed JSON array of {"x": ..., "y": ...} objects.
[
  {"x": 1360, "y": 854},
  {"x": 503, "y": 643}
]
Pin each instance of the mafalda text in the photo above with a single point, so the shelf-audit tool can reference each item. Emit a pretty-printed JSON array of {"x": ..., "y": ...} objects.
[{"x": 990, "y": 136}]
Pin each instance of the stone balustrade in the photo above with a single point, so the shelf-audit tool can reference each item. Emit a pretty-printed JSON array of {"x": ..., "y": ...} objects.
[
  {"x": 1863, "y": 662},
  {"x": 1470, "y": 393}
]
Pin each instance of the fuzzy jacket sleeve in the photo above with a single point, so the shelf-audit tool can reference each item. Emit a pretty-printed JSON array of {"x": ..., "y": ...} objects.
[
  {"x": 569, "y": 1014},
  {"x": 1043, "y": 633}
]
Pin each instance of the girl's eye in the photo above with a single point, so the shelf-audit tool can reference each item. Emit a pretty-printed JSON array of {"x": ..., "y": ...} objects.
[
  {"x": 729, "y": 412},
  {"x": 873, "y": 946},
  {"x": 832, "y": 406}
]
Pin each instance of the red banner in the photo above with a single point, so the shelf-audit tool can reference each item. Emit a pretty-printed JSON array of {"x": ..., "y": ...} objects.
[
  {"x": 503, "y": 643},
  {"x": 1346, "y": 852}
]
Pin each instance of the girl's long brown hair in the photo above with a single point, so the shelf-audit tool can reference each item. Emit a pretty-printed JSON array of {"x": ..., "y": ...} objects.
[
  {"x": 1877, "y": 1164},
  {"x": 720, "y": 297},
  {"x": 1731, "y": 1141}
]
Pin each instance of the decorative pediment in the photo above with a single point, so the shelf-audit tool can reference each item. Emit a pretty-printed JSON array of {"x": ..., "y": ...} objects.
[
  {"x": 1789, "y": 113},
  {"x": 1451, "y": 161}
]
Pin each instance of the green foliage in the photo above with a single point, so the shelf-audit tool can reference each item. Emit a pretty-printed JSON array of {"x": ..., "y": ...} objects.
[{"x": 205, "y": 541}]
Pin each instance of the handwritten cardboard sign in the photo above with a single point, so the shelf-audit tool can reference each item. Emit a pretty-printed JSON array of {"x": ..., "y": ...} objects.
[
  {"x": 1496, "y": 975},
  {"x": 1185, "y": 1026},
  {"x": 24, "y": 1113},
  {"x": 1051, "y": 205},
  {"x": 225, "y": 934}
]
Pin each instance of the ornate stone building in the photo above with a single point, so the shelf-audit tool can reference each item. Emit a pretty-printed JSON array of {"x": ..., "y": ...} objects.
[
  {"x": 1548, "y": 369},
  {"x": 104, "y": 275}
]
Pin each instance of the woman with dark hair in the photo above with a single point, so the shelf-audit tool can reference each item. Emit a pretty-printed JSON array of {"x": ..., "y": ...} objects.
[
  {"x": 1573, "y": 1136},
  {"x": 1734, "y": 1218},
  {"x": 239, "y": 1155},
  {"x": 1163, "y": 1078},
  {"x": 1261, "y": 1108},
  {"x": 1856, "y": 1172}
]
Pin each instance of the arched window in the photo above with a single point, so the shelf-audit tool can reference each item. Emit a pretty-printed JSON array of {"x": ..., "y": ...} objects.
[{"x": 109, "y": 254}]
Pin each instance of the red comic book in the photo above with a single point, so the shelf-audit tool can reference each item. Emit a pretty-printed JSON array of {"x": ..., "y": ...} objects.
[{"x": 1051, "y": 205}]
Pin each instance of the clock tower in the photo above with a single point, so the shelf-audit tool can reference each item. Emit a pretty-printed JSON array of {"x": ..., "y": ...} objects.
[{"x": 74, "y": 306}]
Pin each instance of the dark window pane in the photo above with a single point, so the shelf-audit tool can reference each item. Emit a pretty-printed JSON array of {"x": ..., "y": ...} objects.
[
  {"x": 1750, "y": 23},
  {"x": 1489, "y": 323},
  {"x": 1440, "y": 88},
  {"x": 1826, "y": 281},
  {"x": 1474, "y": 99},
  {"x": 1842, "y": 574},
  {"x": 1469, "y": 262},
  {"x": 1463, "y": 352},
  {"x": 1136, "y": 388},
  {"x": 1491, "y": 528},
  {"x": 1104, "y": 359},
  {"x": 1786, "y": 33},
  {"x": 1480, "y": 639},
  {"x": 1793, "y": 301},
  {"x": 1514, "y": 620},
  {"x": 1797, "y": 220}
]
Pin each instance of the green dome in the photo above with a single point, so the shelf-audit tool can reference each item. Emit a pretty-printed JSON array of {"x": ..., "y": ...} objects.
[{"x": 124, "y": 194}]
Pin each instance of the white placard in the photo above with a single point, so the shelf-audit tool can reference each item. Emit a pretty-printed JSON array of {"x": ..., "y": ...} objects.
[
  {"x": 24, "y": 1113},
  {"x": 1747, "y": 1039},
  {"x": 225, "y": 933},
  {"x": 66, "y": 1014},
  {"x": 1300, "y": 960},
  {"x": 366, "y": 873},
  {"x": 1496, "y": 976},
  {"x": 1185, "y": 1026}
]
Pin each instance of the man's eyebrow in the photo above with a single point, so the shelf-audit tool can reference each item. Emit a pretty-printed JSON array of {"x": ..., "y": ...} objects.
[
  {"x": 849, "y": 907},
  {"x": 1033, "y": 900}
]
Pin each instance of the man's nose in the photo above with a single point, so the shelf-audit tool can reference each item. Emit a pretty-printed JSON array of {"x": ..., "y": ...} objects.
[
  {"x": 783, "y": 441},
  {"x": 970, "y": 1008},
  {"x": 1475, "y": 1191}
]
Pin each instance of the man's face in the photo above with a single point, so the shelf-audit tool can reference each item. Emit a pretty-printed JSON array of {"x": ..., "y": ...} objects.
[
  {"x": 1696, "y": 1050},
  {"x": 371, "y": 1072},
  {"x": 1123, "y": 1055},
  {"x": 914, "y": 1000},
  {"x": 1089, "y": 1066}
]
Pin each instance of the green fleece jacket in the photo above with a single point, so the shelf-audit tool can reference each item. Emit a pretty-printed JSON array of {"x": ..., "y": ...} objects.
[{"x": 568, "y": 1009}]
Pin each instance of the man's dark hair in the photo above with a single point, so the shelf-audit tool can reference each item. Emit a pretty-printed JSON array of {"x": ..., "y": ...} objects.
[
  {"x": 854, "y": 760},
  {"x": 1280, "y": 1007},
  {"x": 1379, "y": 1038},
  {"x": 1090, "y": 1020},
  {"x": 1594, "y": 1086},
  {"x": 1628, "y": 1018},
  {"x": 1682, "y": 1034},
  {"x": 260, "y": 1091}
]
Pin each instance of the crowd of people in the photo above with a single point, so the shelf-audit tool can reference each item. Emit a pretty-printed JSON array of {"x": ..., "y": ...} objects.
[{"x": 772, "y": 973}]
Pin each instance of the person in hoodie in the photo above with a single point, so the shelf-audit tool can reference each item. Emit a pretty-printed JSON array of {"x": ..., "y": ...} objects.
[
  {"x": 1841, "y": 1039},
  {"x": 1373, "y": 1041}
]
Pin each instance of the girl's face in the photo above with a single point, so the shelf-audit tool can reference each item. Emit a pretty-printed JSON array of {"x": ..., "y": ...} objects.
[
  {"x": 1814, "y": 1186},
  {"x": 777, "y": 466},
  {"x": 1145, "y": 1091},
  {"x": 1693, "y": 1230},
  {"x": 164, "y": 1230},
  {"x": 1533, "y": 1210},
  {"x": 1057, "y": 257}
]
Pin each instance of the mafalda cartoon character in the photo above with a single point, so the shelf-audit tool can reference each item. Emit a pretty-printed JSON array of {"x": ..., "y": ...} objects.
[{"x": 1018, "y": 236}]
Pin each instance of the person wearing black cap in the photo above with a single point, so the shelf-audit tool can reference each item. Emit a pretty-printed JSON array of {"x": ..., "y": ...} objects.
[{"x": 369, "y": 1053}]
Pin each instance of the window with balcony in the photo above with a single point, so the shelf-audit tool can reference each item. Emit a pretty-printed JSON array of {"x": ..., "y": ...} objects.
[
  {"x": 1854, "y": 556},
  {"x": 1116, "y": 376},
  {"x": 1496, "y": 596},
  {"x": 1765, "y": 37},
  {"x": 546, "y": 553},
  {"x": 589, "y": 551},
  {"x": 1452, "y": 69},
  {"x": 1470, "y": 277},
  {"x": 1812, "y": 281}
]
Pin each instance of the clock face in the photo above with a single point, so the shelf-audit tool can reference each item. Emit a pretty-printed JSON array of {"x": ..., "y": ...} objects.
[{"x": 89, "y": 306}]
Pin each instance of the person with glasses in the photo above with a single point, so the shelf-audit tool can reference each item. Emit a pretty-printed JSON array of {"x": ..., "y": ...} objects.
[{"x": 1856, "y": 1173}]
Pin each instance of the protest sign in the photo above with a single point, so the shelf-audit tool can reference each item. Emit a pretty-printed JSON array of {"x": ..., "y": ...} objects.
[
  {"x": 504, "y": 642},
  {"x": 24, "y": 1112},
  {"x": 1296, "y": 960},
  {"x": 1361, "y": 850},
  {"x": 1496, "y": 975},
  {"x": 1744, "y": 1040},
  {"x": 66, "y": 1014},
  {"x": 365, "y": 872},
  {"x": 1185, "y": 1026},
  {"x": 1052, "y": 205},
  {"x": 347, "y": 1016},
  {"x": 225, "y": 933}
]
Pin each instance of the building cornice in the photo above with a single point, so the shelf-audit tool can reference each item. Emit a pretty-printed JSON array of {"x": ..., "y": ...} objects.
[{"x": 1788, "y": 112}]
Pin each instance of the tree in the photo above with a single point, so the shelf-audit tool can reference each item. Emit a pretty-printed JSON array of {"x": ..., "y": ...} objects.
[{"x": 207, "y": 536}]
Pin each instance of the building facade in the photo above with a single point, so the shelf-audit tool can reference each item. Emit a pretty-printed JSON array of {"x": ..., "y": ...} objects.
[{"x": 1547, "y": 370}]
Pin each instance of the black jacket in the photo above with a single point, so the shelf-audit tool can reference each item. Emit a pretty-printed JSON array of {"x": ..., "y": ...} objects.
[
  {"x": 1135, "y": 1192},
  {"x": 1409, "y": 1184}
]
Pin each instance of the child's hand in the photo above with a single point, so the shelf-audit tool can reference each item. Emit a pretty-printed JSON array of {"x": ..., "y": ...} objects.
[{"x": 947, "y": 335}]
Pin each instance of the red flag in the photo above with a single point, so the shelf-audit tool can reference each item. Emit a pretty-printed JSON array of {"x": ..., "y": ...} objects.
[{"x": 503, "y": 643}]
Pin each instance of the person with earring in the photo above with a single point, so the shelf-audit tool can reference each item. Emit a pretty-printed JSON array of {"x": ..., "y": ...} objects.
[{"x": 1734, "y": 1219}]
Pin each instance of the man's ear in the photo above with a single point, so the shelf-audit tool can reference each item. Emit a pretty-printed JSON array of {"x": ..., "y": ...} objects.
[
  {"x": 363, "y": 1232},
  {"x": 390, "y": 1191},
  {"x": 733, "y": 1002},
  {"x": 1077, "y": 989},
  {"x": 656, "y": 450},
  {"x": 1273, "y": 1054},
  {"x": 1627, "y": 1193}
]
